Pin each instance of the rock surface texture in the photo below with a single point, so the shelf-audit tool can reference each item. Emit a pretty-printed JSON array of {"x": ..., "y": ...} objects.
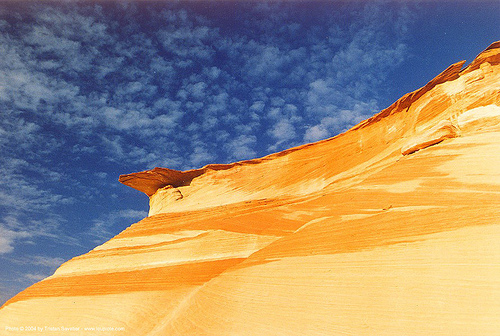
[{"x": 391, "y": 228}]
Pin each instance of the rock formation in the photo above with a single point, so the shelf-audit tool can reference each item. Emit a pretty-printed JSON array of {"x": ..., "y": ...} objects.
[{"x": 390, "y": 228}]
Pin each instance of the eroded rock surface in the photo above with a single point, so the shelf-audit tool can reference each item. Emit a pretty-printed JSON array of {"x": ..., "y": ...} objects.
[{"x": 391, "y": 228}]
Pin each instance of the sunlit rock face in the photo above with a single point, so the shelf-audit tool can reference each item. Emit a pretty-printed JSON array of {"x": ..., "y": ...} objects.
[{"x": 391, "y": 228}]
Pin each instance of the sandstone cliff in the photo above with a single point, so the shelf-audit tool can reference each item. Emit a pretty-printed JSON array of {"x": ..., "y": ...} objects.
[{"x": 391, "y": 228}]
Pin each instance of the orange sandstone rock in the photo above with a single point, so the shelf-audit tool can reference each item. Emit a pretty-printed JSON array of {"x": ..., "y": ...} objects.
[{"x": 390, "y": 228}]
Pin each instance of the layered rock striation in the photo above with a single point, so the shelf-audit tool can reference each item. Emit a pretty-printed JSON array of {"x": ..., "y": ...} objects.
[{"x": 390, "y": 228}]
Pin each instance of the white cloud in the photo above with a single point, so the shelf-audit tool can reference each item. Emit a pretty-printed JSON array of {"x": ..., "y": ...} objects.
[
  {"x": 8, "y": 238},
  {"x": 340, "y": 122},
  {"x": 200, "y": 156},
  {"x": 38, "y": 260},
  {"x": 213, "y": 72},
  {"x": 242, "y": 147},
  {"x": 186, "y": 41},
  {"x": 265, "y": 61},
  {"x": 277, "y": 101},
  {"x": 315, "y": 133},
  {"x": 47, "y": 261},
  {"x": 198, "y": 90},
  {"x": 18, "y": 193},
  {"x": 258, "y": 106},
  {"x": 319, "y": 90},
  {"x": 35, "y": 276},
  {"x": 283, "y": 130}
]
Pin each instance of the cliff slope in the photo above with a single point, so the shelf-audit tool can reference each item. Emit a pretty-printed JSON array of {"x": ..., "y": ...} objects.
[{"x": 390, "y": 228}]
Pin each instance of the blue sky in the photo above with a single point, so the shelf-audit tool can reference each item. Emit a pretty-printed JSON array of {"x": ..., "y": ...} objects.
[{"x": 92, "y": 90}]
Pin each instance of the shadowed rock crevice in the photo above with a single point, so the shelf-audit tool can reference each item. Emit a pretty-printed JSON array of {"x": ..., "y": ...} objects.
[{"x": 444, "y": 130}]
